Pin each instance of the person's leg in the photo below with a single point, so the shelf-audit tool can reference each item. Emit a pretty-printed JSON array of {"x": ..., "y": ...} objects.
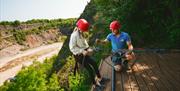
[
  {"x": 92, "y": 63},
  {"x": 117, "y": 62},
  {"x": 84, "y": 61},
  {"x": 75, "y": 67},
  {"x": 96, "y": 84},
  {"x": 79, "y": 58},
  {"x": 125, "y": 63},
  {"x": 90, "y": 71}
]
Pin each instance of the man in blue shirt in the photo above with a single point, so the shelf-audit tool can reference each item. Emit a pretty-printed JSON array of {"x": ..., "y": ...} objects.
[{"x": 118, "y": 40}]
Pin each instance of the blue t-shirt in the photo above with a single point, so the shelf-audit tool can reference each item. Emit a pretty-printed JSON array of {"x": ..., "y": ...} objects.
[{"x": 118, "y": 42}]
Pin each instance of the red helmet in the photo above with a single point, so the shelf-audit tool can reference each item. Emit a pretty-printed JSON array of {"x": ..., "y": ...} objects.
[
  {"x": 83, "y": 25},
  {"x": 115, "y": 25}
]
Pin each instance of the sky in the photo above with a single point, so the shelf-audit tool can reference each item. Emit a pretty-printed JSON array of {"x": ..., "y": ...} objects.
[{"x": 23, "y": 10}]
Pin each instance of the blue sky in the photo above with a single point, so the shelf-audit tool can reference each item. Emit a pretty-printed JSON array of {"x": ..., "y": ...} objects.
[{"x": 24, "y": 10}]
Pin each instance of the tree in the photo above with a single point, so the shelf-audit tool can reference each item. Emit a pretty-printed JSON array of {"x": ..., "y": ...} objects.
[{"x": 16, "y": 23}]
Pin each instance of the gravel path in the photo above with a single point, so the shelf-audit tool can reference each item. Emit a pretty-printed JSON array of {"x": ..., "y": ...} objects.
[{"x": 11, "y": 65}]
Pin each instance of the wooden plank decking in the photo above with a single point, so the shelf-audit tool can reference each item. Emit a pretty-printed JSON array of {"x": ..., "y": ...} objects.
[{"x": 152, "y": 72}]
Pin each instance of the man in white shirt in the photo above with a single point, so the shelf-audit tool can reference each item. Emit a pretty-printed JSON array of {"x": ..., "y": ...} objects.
[{"x": 81, "y": 51}]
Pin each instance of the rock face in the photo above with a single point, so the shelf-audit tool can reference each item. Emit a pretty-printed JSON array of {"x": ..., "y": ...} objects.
[
  {"x": 9, "y": 45},
  {"x": 33, "y": 40},
  {"x": 31, "y": 35},
  {"x": 49, "y": 36}
]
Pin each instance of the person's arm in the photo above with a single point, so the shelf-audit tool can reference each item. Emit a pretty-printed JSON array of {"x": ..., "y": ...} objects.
[
  {"x": 130, "y": 55},
  {"x": 98, "y": 41},
  {"x": 128, "y": 42},
  {"x": 130, "y": 46},
  {"x": 108, "y": 38}
]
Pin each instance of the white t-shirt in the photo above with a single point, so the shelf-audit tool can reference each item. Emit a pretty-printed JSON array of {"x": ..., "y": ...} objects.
[{"x": 77, "y": 43}]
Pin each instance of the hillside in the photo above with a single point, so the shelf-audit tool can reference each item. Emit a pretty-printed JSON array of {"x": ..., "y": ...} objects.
[
  {"x": 19, "y": 36},
  {"x": 151, "y": 24}
]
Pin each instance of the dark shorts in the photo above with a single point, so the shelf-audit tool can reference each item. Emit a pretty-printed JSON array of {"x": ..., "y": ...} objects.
[{"x": 116, "y": 60}]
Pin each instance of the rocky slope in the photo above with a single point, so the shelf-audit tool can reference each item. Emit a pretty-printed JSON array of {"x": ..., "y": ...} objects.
[{"x": 14, "y": 39}]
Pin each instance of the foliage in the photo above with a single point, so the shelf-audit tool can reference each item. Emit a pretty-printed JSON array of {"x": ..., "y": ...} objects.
[
  {"x": 4, "y": 23},
  {"x": 53, "y": 84},
  {"x": 16, "y": 23},
  {"x": 78, "y": 82},
  {"x": 151, "y": 23},
  {"x": 35, "y": 78},
  {"x": 62, "y": 38},
  {"x": 19, "y": 36}
]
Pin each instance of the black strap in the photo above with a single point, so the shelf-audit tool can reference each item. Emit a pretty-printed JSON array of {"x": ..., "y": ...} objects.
[{"x": 75, "y": 68}]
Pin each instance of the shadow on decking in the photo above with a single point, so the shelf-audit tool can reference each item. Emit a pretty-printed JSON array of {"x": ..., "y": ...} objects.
[{"x": 152, "y": 72}]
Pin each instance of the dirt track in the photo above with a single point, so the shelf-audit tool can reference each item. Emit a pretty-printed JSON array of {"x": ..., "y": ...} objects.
[{"x": 11, "y": 65}]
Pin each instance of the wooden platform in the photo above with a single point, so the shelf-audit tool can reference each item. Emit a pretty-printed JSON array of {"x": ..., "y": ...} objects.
[{"x": 152, "y": 72}]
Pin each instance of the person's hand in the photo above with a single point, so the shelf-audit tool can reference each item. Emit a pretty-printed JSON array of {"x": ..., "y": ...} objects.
[
  {"x": 118, "y": 67},
  {"x": 97, "y": 41},
  {"x": 130, "y": 56},
  {"x": 85, "y": 52},
  {"x": 90, "y": 51}
]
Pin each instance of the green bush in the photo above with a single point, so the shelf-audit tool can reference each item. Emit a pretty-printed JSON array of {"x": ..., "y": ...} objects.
[
  {"x": 16, "y": 23},
  {"x": 19, "y": 36},
  {"x": 152, "y": 23},
  {"x": 36, "y": 77}
]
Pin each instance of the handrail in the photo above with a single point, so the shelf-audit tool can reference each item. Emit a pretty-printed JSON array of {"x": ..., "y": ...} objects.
[{"x": 113, "y": 86}]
